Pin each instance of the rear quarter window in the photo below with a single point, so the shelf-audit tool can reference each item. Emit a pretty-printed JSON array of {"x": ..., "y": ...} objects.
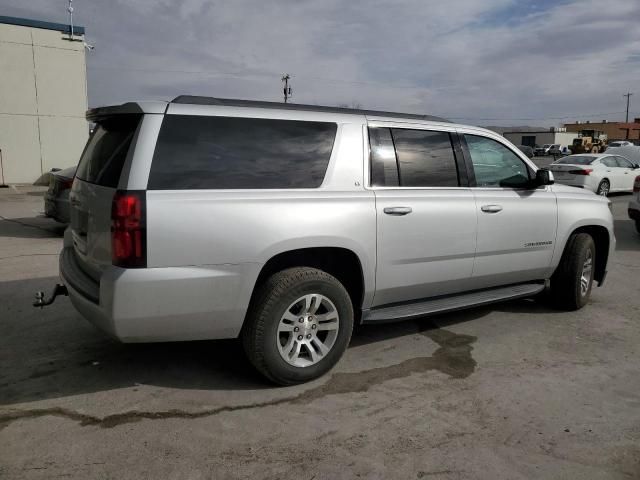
[{"x": 198, "y": 152}]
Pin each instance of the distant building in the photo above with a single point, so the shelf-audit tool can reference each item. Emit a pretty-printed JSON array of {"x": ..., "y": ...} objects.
[
  {"x": 551, "y": 136},
  {"x": 43, "y": 97},
  {"x": 613, "y": 130}
]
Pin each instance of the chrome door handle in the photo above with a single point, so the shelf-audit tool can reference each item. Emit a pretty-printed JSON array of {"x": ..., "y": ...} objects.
[
  {"x": 491, "y": 208},
  {"x": 397, "y": 211}
]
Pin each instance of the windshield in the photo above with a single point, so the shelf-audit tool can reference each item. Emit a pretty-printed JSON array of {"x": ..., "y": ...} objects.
[
  {"x": 575, "y": 160},
  {"x": 106, "y": 150}
]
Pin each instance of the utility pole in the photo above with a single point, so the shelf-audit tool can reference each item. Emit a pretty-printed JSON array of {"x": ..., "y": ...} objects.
[
  {"x": 287, "y": 89},
  {"x": 2, "y": 184},
  {"x": 627, "y": 95}
]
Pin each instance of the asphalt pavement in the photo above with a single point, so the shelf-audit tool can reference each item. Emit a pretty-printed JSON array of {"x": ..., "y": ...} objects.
[{"x": 510, "y": 391}]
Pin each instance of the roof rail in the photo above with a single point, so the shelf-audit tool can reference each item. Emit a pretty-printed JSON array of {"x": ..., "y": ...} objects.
[{"x": 230, "y": 102}]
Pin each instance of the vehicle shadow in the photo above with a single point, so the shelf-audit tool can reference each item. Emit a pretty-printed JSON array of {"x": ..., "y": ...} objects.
[
  {"x": 627, "y": 238},
  {"x": 31, "y": 227},
  {"x": 54, "y": 353}
]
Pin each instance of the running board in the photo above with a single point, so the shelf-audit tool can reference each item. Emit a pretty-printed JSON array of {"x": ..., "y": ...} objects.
[{"x": 450, "y": 303}]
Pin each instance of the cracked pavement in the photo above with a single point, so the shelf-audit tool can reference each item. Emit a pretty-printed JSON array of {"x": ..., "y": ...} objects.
[{"x": 513, "y": 391}]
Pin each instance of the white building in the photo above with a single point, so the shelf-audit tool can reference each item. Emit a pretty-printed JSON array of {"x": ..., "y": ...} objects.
[
  {"x": 43, "y": 97},
  {"x": 553, "y": 136}
]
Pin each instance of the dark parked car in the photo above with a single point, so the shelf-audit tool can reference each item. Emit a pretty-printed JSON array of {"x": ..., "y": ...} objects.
[
  {"x": 527, "y": 150},
  {"x": 542, "y": 150},
  {"x": 557, "y": 151},
  {"x": 56, "y": 200}
]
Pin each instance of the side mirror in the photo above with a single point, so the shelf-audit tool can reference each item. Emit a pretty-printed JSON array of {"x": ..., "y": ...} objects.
[{"x": 544, "y": 177}]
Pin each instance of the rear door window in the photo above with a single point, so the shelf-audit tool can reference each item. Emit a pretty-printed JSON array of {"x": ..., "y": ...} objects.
[
  {"x": 623, "y": 162},
  {"x": 425, "y": 158},
  {"x": 199, "y": 152},
  {"x": 106, "y": 150}
]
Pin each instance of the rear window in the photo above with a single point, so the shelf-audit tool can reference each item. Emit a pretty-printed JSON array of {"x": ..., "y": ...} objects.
[
  {"x": 196, "y": 152},
  {"x": 575, "y": 160},
  {"x": 103, "y": 157}
]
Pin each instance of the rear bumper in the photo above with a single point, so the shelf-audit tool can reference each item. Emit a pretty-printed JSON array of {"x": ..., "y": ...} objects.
[
  {"x": 57, "y": 207},
  {"x": 163, "y": 304}
]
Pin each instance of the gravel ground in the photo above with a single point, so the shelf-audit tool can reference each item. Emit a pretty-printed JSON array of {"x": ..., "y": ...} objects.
[{"x": 511, "y": 391}]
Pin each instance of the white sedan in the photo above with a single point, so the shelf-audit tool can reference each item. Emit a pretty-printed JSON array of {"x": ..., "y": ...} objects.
[
  {"x": 634, "y": 204},
  {"x": 601, "y": 173}
]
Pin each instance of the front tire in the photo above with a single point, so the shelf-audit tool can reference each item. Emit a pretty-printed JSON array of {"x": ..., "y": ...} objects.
[
  {"x": 298, "y": 325},
  {"x": 638, "y": 226},
  {"x": 603, "y": 188},
  {"x": 572, "y": 281}
]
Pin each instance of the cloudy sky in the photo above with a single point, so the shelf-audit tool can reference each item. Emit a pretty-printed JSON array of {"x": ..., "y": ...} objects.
[{"x": 498, "y": 62}]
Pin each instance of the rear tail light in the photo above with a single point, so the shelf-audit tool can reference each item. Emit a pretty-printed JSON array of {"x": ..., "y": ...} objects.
[
  {"x": 129, "y": 229},
  {"x": 66, "y": 184},
  {"x": 581, "y": 171},
  {"x": 636, "y": 185}
]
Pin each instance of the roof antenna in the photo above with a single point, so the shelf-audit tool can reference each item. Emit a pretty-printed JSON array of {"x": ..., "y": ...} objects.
[
  {"x": 71, "y": 30},
  {"x": 70, "y": 10}
]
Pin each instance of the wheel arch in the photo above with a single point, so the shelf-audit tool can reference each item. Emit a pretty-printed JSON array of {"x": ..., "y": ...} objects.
[
  {"x": 340, "y": 262},
  {"x": 603, "y": 179},
  {"x": 600, "y": 235}
]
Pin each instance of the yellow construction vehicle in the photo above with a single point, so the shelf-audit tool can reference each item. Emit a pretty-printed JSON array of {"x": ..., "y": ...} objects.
[{"x": 588, "y": 145}]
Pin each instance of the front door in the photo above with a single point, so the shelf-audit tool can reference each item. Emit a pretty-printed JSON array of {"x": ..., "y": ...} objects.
[
  {"x": 516, "y": 223},
  {"x": 426, "y": 216}
]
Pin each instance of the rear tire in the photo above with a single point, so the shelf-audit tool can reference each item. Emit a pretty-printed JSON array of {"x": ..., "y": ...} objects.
[
  {"x": 638, "y": 226},
  {"x": 603, "y": 188},
  {"x": 572, "y": 281},
  {"x": 298, "y": 325}
]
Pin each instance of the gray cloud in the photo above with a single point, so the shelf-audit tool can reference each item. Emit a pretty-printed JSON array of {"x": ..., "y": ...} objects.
[{"x": 493, "y": 59}]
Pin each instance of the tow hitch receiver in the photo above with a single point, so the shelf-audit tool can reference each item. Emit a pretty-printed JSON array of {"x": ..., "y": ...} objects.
[{"x": 59, "y": 289}]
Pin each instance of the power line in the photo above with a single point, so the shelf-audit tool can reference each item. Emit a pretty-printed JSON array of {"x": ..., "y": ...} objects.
[
  {"x": 337, "y": 81},
  {"x": 266, "y": 73},
  {"x": 538, "y": 118}
]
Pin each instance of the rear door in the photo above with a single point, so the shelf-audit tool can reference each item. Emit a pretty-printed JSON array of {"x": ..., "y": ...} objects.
[
  {"x": 426, "y": 218},
  {"x": 97, "y": 179},
  {"x": 516, "y": 223},
  {"x": 628, "y": 173},
  {"x": 612, "y": 172}
]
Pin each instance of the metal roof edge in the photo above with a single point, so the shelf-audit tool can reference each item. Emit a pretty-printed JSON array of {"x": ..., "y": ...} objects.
[{"x": 27, "y": 22}]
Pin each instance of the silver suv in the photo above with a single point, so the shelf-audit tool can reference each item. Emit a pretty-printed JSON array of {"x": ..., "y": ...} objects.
[{"x": 285, "y": 225}]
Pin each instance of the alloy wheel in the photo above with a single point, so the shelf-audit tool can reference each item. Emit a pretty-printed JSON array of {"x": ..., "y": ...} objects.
[
  {"x": 603, "y": 189},
  {"x": 585, "y": 277},
  {"x": 307, "y": 330}
]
